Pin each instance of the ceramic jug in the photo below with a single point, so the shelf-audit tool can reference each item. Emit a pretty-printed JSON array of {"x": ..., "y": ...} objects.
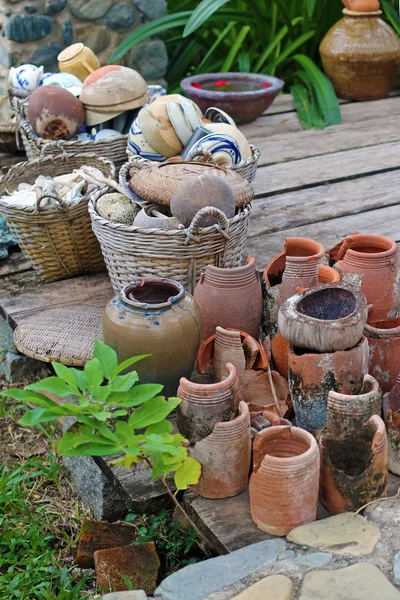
[
  {"x": 24, "y": 79},
  {"x": 78, "y": 60}
]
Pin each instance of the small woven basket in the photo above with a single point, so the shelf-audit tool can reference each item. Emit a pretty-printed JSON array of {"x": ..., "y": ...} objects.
[
  {"x": 132, "y": 253},
  {"x": 58, "y": 242},
  {"x": 114, "y": 148}
]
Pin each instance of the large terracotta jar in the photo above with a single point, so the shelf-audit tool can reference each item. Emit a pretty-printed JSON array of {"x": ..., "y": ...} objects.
[
  {"x": 384, "y": 351},
  {"x": 284, "y": 483},
  {"x": 376, "y": 259},
  {"x": 231, "y": 298},
  {"x": 225, "y": 457},
  {"x": 353, "y": 467},
  {"x": 156, "y": 317},
  {"x": 361, "y": 56},
  {"x": 312, "y": 375},
  {"x": 206, "y": 404}
]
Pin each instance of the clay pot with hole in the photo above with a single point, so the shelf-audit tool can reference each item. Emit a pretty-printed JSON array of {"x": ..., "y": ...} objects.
[
  {"x": 205, "y": 357},
  {"x": 256, "y": 391},
  {"x": 384, "y": 351},
  {"x": 324, "y": 319},
  {"x": 284, "y": 483}
]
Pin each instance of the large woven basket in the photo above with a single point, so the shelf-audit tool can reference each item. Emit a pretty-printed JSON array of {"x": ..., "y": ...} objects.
[
  {"x": 114, "y": 149},
  {"x": 131, "y": 253},
  {"x": 59, "y": 243}
]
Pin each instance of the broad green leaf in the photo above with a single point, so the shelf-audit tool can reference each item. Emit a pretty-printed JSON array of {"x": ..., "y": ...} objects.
[
  {"x": 391, "y": 14},
  {"x": 39, "y": 415},
  {"x": 28, "y": 396},
  {"x": 71, "y": 440},
  {"x": 94, "y": 376},
  {"x": 188, "y": 474},
  {"x": 235, "y": 49},
  {"x": 123, "y": 383},
  {"x": 152, "y": 412},
  {"x": 80, "y": 378},
  {"x": 103, "y": 416},
  {"x": 201, "y": 14},
  {"x": 158, "y": 468},
  {"x": 103, "y": 392},
  {"x": 119, "y": 413},
  {"x": 65, "y": 374},
  {"x": 244, "y": 62},
  {"x": 92, "y": 449},
  {"x": 128, "y": 363},
  {"x": 107, "y": 358},
  {"x": 54, "y": 385},
  {"x": 310, "y": 7},
  {"x": 144, "y": 392},
  {"x": 160, "y": 447},
  {"x": 159, "y": 428},
  {"x": 123, "y": 430}
]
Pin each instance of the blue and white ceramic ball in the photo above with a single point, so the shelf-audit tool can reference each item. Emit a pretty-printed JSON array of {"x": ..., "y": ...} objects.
[
  {"x": 25, "y": 78},
  {"x": 138, "y": 145},
  {"x": 223, "y": 149}
]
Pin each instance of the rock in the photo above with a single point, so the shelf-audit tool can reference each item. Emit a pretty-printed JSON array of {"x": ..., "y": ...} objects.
[
  {"x": 342, "y": 534},
  {"x": 316, "y": 560},
  {"x": 100, "y": 535},
  {"x": 6, "y": 237},
  {"x": 150, "y": 58},
  {"x": 396, "y": 568},
  {"x": 121, "y": 17},
  {"x": 139, "y": 563},
  {"x": 5, "y": 57},
  {"x": 276, "y": 587},
  {"x": 52, "y": 7},
  {"x": 362, "y": 581},
  {"x": 198, "y": 581},
  {"x": 287, "y": 554},
  {"x": 97, "y": 38},
  {"x": 90, "y": 10},
  {"x": 46, "y": 56},
  {"x": 30, "y": 9},
  {"x": 28, "y": 28},
  {"x": 67, "y": 31},
  {"x": 131, "y": 595},
  {"x": 152, "y": 9}
]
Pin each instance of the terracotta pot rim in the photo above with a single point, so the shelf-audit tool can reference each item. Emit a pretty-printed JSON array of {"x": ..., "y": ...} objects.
[
  {"x": 250, "y": 262},
  {"x": 354, "y": 13},
  {"x": 368, "y": 238},
  {"x": 152, "y": 280},
  {"x": 212, "y": 387},
  {"x": 261, "y": 361},
  {"x": 320, "y": 250},
  {"x": 289, "y": 460},
  {"x": 243, "y": 414},
  {"x": 378, "y": 332},
  {"x": 362, "y": 341},
  {"x": 367, "y": 379}
]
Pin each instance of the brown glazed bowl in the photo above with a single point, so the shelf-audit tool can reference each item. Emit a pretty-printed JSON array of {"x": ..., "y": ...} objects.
[{"x": 257, "y": 93}]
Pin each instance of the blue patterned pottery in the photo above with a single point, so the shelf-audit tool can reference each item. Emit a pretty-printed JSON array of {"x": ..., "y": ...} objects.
[
  {"x": 223, "y": 149},
  {"x": 137, "y": 144},
  {"x": 25, "y": 78}
]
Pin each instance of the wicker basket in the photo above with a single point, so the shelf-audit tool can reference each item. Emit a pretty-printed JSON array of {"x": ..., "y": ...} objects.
[
  {"x": 131, "y": 253},
  {"x": 114, "y": 149},
  {"x": 59, "y": 243}
]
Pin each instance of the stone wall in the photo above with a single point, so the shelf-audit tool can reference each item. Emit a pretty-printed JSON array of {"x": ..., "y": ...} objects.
[{"x": 35, "y": 31}]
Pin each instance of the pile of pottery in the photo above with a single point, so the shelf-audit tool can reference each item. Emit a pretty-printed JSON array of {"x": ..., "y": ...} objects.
[{"x": 173, "y": 125}]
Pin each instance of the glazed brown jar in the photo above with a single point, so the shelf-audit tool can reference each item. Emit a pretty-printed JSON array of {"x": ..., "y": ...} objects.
[{"x": 156, "y": 317}]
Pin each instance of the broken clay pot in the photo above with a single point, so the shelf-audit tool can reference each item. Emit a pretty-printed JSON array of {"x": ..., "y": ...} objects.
[
  {"x": 228, "y": 349},
  {"x": 384, "y": 351},
  {"x": 393, "y": 433},
  {"x": 262, "y": 419},
  {"x": 256, "y": 391},
  {"x": 312, "y": 375},
  {"x": 284, "y": 483},
  {"x": 280, "y": 351},
  {"x": 204, "y": 405},
  {"x": 353, "y": 467},
  {"x": 225, "y": 457},
  {"x": 391, "y": 400},
  {"x": 230, "y": 298},
  {"x": 324, "y": 319},
  {"x": 205, "y": 357}
]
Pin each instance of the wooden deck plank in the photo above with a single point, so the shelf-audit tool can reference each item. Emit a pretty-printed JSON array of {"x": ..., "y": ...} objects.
[{"x": 13, "y": 264}]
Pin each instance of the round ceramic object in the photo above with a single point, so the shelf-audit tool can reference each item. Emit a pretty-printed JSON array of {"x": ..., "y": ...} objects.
[
  {"x": 83, "y": 137},
  {"x": 216, "y": 115},
  {"x": 197, "y": 193},
  {"x": 114, "y": 86},
  {"x": 223, "y": 149},
  {"x": 25, "y": 78},
  {"x": 237, "y": 135},
  {"x": 147, "y": 219},
  {"x": 157, "y": 128},
  {"x": 64, "y": 80},
  {"x": 54, "y": 113},
  {"x": 179, "y": 122},
  {"x": 106, "y": 134},
  {"x": 192, "y": 112},
  {"x": 137, "y": 144},
  {"x": 324, "y": 319},
  {"x": 79, "y": 60}
]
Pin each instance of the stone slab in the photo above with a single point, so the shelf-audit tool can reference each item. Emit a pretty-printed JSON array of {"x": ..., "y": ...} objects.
[
  {"x": 276, "y": 587},
  {"x": 131, "y": 595}
]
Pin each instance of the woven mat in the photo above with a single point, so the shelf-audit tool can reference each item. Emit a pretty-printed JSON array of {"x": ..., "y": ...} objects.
[{"x": 64, "y": 335}]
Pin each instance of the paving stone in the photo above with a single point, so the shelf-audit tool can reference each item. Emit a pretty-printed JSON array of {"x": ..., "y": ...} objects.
[
  {"x": 316, "y": 560},
  {"x": 100, "y": 535},
  {"x": 396, "y": 568},
  {"x": 131, "y": 595},
  {"x": 137, "y": 562},
  {"x": 287, "y": 554},
  {"x": 276, "y": 587},
  {"x": 362, "y": 581},
  {"x": 198, "y": 581},
  {"x": 341, "y": 534}
]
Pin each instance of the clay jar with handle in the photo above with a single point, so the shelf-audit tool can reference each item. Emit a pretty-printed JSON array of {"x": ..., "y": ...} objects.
[
  {"x": 284, "y": 483},
  {"x": 312, "y": 375},
  {"x": 375, "y": 258},
  {"x": 353, "y": 467},
  {"x": 78, "y": 60},
  {"x": 225, "y": 457},
  {"x": 384, "y": 351},
  {"x": 205, "y": 405},
  {"x": 156, "y": 317},
  {"x": 230, "y": 298}
]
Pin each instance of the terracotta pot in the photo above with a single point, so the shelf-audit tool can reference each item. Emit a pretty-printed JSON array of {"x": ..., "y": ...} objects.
[
  {"x": 280, "y": 351},
  {"x": 230, "y": 298},
  {"x": 284, "y": 483},
  {"x": 353, "y": 468},
  {"x": 348, "y": 412},
  {"x": 205, "y": 405},
  {"x": 313, "y": 375},
  {"x": 384, "y": 351},
  {"x": 324, "y": 319},
  {"x": 375, "y": 258},
  {"x": 156, "y": 317},
  {"x": 205, "y": 357},
  {"x": 361, "y": 56},
  {"x": 260, "y": 419},
  {"x": 393, "y": 433},
  {"x": 256, "y": 391},
  {"x": 391, "y": 400},
  {"x": 228, "y": 349},
  {"x": 225, "y": 457}
]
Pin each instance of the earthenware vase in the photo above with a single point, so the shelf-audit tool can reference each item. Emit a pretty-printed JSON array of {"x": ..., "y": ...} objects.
[
  {"x": 284, "y": 483},
  {"x": 393, "y": 433},
  {"x": 228, "y": 349},
  {"x": 384, "y": 351},
  {"x": 312, "y": 375},
  {"x": 156, "y": 317},
  {"x": 348, "y": 412},
  {"x": 376, "y": 259},
  {"x": 324, "y": 319},
  {"x": 230, "y": 298},
  {"x": 353, "y": 467},
  {"x": 225, "y": 457},
  {"x": 205, "y": 405},
  {"x": 361, "y": 56}
]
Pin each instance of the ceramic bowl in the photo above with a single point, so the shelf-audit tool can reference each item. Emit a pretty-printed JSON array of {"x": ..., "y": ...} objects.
[
  {"x": 158, "y": 130},
  {"x": 216, "y": 115},
  {"x": 137, "y": 144},
  {"x": 148, "y": 219},
  {"x": 106, "y": 134},
  {"x": 179, "y": 122},
  {"x": 64, "y": 80},
  {"x": 246, "y": 98},
  {"x": 114, "y": 86},
  {"x": 25, "y": 78},
  {"x": 223, "y": 148},
  {"x": 237, "y": 135},
  {"x": 83, "y": 137}
]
